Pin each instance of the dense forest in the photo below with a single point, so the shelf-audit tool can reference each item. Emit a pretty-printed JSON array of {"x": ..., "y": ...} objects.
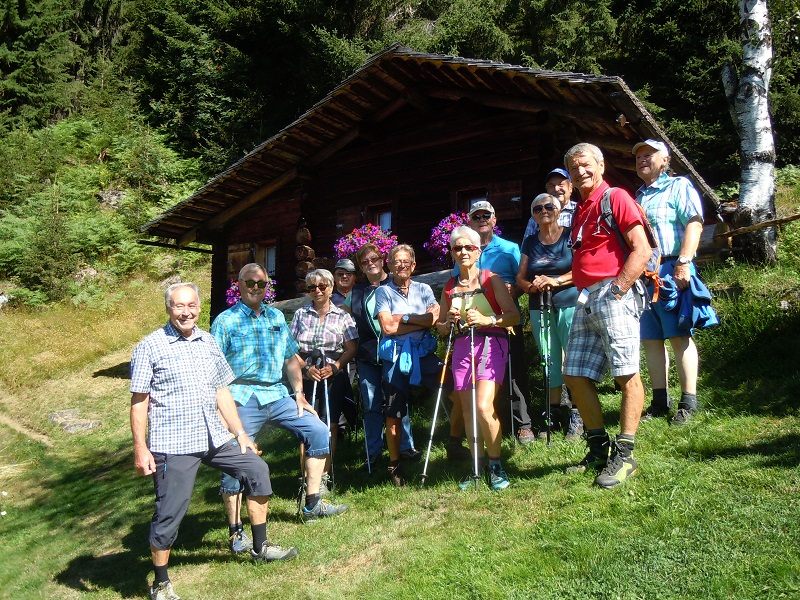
[{"x": 112, "y": 110}]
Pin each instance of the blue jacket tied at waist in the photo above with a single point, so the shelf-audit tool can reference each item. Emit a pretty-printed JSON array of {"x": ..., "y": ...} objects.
[
  {"x": 405, "y": 354},
  {"x": 693, "y": 303}
]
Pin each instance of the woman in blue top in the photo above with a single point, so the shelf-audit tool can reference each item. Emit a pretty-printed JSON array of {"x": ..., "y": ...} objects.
[{"x": 546, "y": 263}]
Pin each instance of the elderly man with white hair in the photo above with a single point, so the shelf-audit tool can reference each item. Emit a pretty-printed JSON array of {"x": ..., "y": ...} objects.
[
  {"x": 673, "y": 207},
  {"x": 605, "y": 327}
]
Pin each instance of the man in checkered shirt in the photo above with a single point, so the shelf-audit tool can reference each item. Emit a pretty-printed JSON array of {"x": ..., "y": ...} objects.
[
  {"x": 260, "y": 349},
  {"x": 179, "y": 390}
]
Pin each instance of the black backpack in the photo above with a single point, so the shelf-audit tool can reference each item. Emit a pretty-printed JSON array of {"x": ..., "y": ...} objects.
[{"x": 650, "y": 273}]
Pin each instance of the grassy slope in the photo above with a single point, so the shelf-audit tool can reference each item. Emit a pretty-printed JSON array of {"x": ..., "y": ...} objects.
[{"x": 713, "y": 514}]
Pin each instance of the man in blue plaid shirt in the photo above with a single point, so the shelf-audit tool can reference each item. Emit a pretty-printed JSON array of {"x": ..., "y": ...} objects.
[
  {"x": 178, "y": 385},
  {"x": 259, "y": 348}
]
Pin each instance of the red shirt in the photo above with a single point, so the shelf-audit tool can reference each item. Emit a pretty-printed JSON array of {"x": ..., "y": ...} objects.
[{"x": 600, "y": 254}]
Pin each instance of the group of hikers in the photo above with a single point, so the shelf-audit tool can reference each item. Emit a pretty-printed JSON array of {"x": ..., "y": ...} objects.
[{"x": 202, "y": 397}]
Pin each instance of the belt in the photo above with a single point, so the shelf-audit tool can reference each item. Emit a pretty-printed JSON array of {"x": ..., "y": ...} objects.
[{"x": 597, "y": 285}]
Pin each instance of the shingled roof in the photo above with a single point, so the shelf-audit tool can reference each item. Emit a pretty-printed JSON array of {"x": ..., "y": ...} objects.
[{"x": 600, "y": 109}]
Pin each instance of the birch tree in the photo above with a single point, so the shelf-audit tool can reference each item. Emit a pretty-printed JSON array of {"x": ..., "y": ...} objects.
[{"x": 747, "y": 94}]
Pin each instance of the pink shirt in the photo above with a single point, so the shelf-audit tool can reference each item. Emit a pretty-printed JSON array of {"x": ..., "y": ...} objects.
[{"x": 600, "y": 254}]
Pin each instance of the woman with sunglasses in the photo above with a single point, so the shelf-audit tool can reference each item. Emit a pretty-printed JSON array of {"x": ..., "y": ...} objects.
[
  {"x": 371, "y": 262},
  {"x": 546, "y": 264},
  {"x": 328, "y": 340},
  {"x": 479, "y": 300}
]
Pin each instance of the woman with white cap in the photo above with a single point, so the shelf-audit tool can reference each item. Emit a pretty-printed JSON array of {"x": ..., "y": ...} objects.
[
  {"x": 546, "y": 265},
  {"x": 674, "y": 210}
]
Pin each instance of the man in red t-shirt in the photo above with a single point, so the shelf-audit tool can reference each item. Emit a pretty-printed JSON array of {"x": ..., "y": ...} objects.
[{"x": 605, "y": 328}]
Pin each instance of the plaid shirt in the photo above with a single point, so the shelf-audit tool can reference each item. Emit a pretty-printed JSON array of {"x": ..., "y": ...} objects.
[
  {"x": 329, "y": 334},
  {"x": 182, "y": 376},
  {"x": 256, "y": 348},
  {"x": 670, "y": 203}
]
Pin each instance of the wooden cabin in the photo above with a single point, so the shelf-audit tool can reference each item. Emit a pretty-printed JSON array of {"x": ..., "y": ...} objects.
[{"x": 404, "y": 141}]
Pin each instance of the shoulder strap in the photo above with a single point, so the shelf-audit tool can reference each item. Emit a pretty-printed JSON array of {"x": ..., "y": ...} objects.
[
  {"x": 448, "y": 288},
  {"x": 488, "y": 290},
  {"x": 608, "y": 218}
]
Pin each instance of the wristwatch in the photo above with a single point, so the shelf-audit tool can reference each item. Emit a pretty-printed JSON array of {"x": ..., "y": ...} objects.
[
  {"x": 405, "y": 319},
  {"x": 615, "y": 289},
  {"x": 683, "y": 260}
]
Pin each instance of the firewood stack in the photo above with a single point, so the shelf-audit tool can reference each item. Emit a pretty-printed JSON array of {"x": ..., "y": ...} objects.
[{"x": 307, "y": 260}]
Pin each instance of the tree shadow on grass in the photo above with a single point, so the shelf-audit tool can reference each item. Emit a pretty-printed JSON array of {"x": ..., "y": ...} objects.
[
  {"x": 127, "y": 572},
  {"x": 120, "y": 371},
  {"x": 782, "y": 451},
  {"x": 757, "y": 374}
]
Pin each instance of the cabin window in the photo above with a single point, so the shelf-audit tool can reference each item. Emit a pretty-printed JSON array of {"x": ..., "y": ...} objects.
[
  {"x": 381, "y": 216},
  {"x": 468, "y": 198},
  {"x": 267, "y": 255}
]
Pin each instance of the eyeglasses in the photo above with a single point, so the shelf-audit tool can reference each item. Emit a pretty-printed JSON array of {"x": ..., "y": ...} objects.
[
  {"x": 403, "y": 263},
  {"x": 481, "y": 217},
  {"x": 540, "y": 207},
  {"x": 252, "y": 283},
  {"x": 371, "y": 259},
  {"x": 467, "y": 247},
  {"x": 322, "y": 287},
  {"x": 344, "y": 274}
]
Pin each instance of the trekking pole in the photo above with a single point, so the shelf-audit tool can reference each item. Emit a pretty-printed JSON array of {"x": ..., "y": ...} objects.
[
  {"x": 438, "y": 401},
  {"x": 476, "y": 475},
  {"x": 510, "y": 389},
  {"x": 546, "y": 299},
  {"x": 327, "y": 415}
]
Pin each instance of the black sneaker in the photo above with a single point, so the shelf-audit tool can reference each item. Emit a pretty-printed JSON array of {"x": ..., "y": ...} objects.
[
  {"x": 271, "y": 552},
  {"x": 683, "y": 416},
  {"x": 457, "y": 452},
  {"x": 411, "y": 454},
  {"x": 575, "y": 425},
  {"x": 596, "y": 458}
]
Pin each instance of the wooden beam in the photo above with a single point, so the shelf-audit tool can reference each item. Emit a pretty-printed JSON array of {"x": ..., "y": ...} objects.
[
  {"x": 757, "y": 226},
  {"x": 520, "y": 104}
]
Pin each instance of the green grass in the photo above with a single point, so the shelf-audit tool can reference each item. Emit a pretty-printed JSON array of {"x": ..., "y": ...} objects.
[{"x": 712, "y": 514}]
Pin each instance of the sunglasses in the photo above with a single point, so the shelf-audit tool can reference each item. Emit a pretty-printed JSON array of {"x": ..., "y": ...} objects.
[
  {"x": 322, "y": 287},
  {"x": 371, "y": 259},
  {"x": 541, "y": 207},
  {"x": 467, "y": 247},
  {"x": 252, "y": 283},
  {"x": 482, "y": 217}
]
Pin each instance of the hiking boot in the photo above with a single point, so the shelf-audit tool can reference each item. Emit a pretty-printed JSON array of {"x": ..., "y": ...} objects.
[
  {"x": 163, "y": 591},
  {"x": 683, "y": 416},
  {"x": 457, "y": 452},
  {"x": 596, "y": 458},
  {"x": 325, "y": 485},
  {"x": 620, "y": 467},
  {"x": 323, "y": 509},
  {"x": 270, "y": 552},
  {"x": 396, "y": 475},
  {"x": 411, "y": 454},
  {"x": 498, "y": 480},
  {"x": 574, "y": 425},
  {"x": 655, "y": 412},
  {"x": 525, "y": 436},
  {"x": 240, "y": 542}
]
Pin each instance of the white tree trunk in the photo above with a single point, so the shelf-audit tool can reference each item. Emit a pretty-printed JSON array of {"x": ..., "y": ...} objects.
[{"x": 749, "y": 105}]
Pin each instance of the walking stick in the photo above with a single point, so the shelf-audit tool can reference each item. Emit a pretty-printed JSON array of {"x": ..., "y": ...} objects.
[
  {"x": 327, "y": 414},
  {"x": 438, "y": 401},
  {"x": 545, "y": 303},
  {"x": 510, "y": 389},
  {"x": 476, "y": 475}
]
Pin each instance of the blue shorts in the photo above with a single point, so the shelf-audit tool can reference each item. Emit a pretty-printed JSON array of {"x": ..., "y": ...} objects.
[
  {"x": 283, "y": 413},
  {"x": 658, "y": 323}
]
